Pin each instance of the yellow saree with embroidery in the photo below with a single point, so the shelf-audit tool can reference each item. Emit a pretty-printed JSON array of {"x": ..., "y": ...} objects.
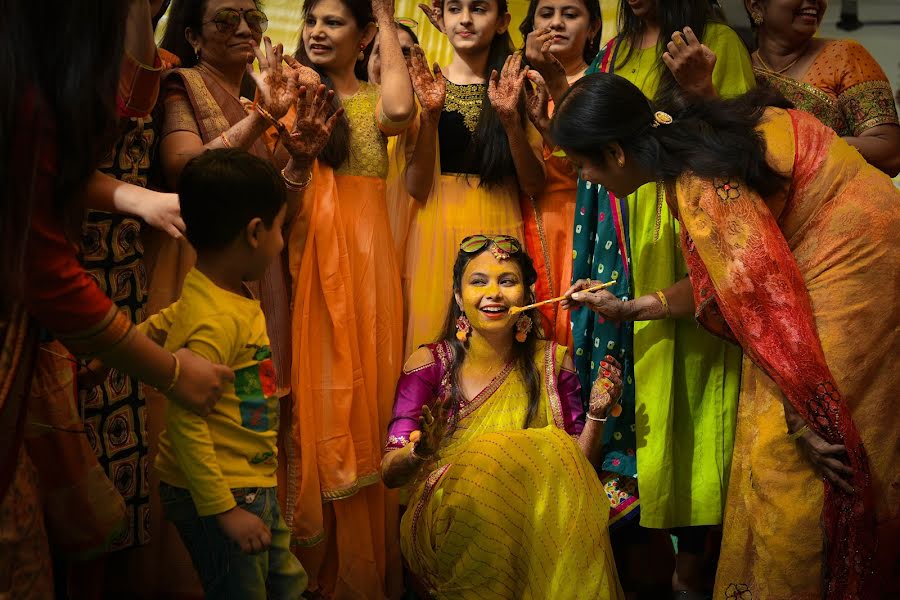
[{"x": 506, "y": 512}]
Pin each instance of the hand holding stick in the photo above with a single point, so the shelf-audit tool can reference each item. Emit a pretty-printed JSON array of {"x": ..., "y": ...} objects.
[{"x": 600, "y": 286}]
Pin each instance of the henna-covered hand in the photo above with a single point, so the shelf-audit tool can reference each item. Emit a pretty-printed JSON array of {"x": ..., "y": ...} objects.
[
  {"x": 430, "y": 88},
  {"x": 383, "y": 9},
  {"x": 607, "y": 389},
  {"x": 432, "y": 426},
  {"x": 505, "y": 89},
  {"x": 313, "y": 126},
  {"x": 691, "y": 63},
  {"x": 435, "y": 14},
  {"x": 306, "y": 76},
  {"x": 537, "y": 99},
  {"x": 277, "y": 88}
]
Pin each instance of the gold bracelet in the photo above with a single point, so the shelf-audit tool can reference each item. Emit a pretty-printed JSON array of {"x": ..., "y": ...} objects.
[
  {"x": 665, "y": 302},
  {"x": 266, "y": 114},
  {"x": 799, "y": 433},
  {"x": 175, "y": 376},
  {"x": 593, "y": 418},
  {"x": 293, "y": 185},
  {"x": 225, "y": 141}
]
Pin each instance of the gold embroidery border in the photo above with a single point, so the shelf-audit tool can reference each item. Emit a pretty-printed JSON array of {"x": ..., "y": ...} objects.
[
  {"x": 463, "y": 100},
  {"x": 545, "y": 250},
  {"x": 853, "y": 93},
  {"x": 485, "y": 394},
  {"x": 427, "y": 491},
  {"x": 552, "y": 390}
]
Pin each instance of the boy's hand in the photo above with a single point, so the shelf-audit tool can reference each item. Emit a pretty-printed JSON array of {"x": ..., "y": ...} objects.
[{"x": 245, "y": 528}]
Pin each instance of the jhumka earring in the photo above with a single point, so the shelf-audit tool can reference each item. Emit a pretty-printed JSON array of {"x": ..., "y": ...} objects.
[
  {"x": 362, "y": 54},
  {"x": 523, "y": 328},
  {"x": 463, "y": 327}
]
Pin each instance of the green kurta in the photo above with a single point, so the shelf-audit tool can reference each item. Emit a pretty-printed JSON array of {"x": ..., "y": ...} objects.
[{"x": 687, "y": 381}]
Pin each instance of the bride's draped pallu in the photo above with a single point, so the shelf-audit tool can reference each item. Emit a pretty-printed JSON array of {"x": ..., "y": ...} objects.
[
  {"x": 502, "y": 511},
  {"x": 806, "y": 281}
]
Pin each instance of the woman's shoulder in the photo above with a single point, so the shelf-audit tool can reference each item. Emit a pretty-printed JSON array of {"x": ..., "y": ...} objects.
[
  {"x": 721, "y": 35},
  {"x": 435, "y": 355}
]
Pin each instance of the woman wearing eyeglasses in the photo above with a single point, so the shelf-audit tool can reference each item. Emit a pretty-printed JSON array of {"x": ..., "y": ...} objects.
[
  {"x": 489, "y": 435},
  {"x": 216, "y": 41}
]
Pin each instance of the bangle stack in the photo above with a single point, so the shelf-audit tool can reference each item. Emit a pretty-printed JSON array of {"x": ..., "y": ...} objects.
[
  {"x": 665, "y": 302},
  {"x": 296, "y": 186}
]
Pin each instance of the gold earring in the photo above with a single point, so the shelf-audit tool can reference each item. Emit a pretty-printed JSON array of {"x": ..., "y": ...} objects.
[
  {"x": 621, "y": 162},
  {"x": 757, "y": 18},
  {"x": 362, "y": 54}
]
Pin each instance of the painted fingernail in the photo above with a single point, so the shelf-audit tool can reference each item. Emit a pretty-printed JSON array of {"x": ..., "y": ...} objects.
[
  {"x": 604, "y": 365},
  {"x": 606, "y": 373}
]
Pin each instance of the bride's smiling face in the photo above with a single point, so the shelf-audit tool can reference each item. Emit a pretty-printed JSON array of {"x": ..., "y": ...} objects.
[{"x": 489, "y": 288}]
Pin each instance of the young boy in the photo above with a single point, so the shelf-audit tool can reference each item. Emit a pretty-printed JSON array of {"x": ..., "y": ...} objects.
[{"x": 217, "y": 472}]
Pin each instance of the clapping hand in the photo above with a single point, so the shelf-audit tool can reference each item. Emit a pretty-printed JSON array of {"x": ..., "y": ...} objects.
[
  {"x": 505, "y": 89},
  {"x": 430, "y": 88},
  {"x": 313, "y": 127},
  {"x": 537, "y": 99},
  {"x": 435, "y": 14},
  {"x": 277, "y": 88}
]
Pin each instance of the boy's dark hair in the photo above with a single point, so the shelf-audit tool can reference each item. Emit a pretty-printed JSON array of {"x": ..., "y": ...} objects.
[{"x": 222, "y": 190}]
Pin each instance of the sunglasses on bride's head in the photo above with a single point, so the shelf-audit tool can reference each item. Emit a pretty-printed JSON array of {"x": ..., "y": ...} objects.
[
  {"x": 501, "y": 245},
  {"x": 228, "y": 20}
]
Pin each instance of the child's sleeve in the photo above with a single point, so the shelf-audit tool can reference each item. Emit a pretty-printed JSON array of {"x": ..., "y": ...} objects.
[
  {"x": 192, "y": 443},
  {"x": 157, "y": 326}
]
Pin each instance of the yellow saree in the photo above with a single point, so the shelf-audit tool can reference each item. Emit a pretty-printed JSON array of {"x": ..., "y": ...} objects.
[{"x": 506, "y": 512}]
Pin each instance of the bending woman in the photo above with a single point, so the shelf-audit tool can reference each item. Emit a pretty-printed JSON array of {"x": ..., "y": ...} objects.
[
  {"x": 783, "y": 225},
  {"x": 489, "y": 433}
]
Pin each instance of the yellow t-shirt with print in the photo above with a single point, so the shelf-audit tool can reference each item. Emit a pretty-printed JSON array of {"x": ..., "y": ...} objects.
[{"x": 235, "y": 445}]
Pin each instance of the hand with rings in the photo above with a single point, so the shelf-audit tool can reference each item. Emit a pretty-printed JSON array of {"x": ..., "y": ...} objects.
[{"x": 691, "y": 63}]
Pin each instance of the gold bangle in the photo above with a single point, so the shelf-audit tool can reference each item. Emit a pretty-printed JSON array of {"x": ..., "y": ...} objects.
[
  {"x": 799, "y": 433},
  {"x": 665, "y": 302},
  {"x": 225, "y": 141},
  {"x": 175, "y": 376},
  {"x": 266, "y": 114},
  {"x": 592, "y": 418},
  {"x": 293, "y": 185}
]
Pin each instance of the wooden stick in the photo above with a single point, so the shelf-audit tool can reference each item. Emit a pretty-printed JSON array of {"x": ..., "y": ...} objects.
[{"x": 517, "y": 309}]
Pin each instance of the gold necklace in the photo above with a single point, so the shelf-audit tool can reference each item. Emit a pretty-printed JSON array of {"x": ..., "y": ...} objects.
[{"x": 779, "y": 71}]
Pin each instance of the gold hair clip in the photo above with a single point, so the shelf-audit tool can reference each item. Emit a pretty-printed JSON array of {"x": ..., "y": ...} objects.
[{"x": 661, "y": 118}]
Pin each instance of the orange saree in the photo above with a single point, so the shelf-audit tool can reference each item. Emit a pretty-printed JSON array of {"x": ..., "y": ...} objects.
[
  {"x": 806, "y": 282},
  {"x": 549, "y": 228},
  {"x": 347, "y": 333}
]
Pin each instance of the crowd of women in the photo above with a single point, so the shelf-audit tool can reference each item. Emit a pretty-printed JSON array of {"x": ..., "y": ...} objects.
[{"x": 726, "y": 393}]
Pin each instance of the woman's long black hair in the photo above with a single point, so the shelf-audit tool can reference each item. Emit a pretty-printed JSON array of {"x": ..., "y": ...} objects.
[
  {"x": 595, "y": 15},
  {"x": 671, "y": 16},
  {"x": 523, "y": 352},
  {"x": 490, "y": 151},
  {"x": 73, "y": 90},
  {"x": 337, "y": 150},
  {"x": 713, "y": 139}
]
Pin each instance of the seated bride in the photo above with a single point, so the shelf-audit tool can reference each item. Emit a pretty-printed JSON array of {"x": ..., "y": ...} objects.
[{"x": 490, "y": 437}]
